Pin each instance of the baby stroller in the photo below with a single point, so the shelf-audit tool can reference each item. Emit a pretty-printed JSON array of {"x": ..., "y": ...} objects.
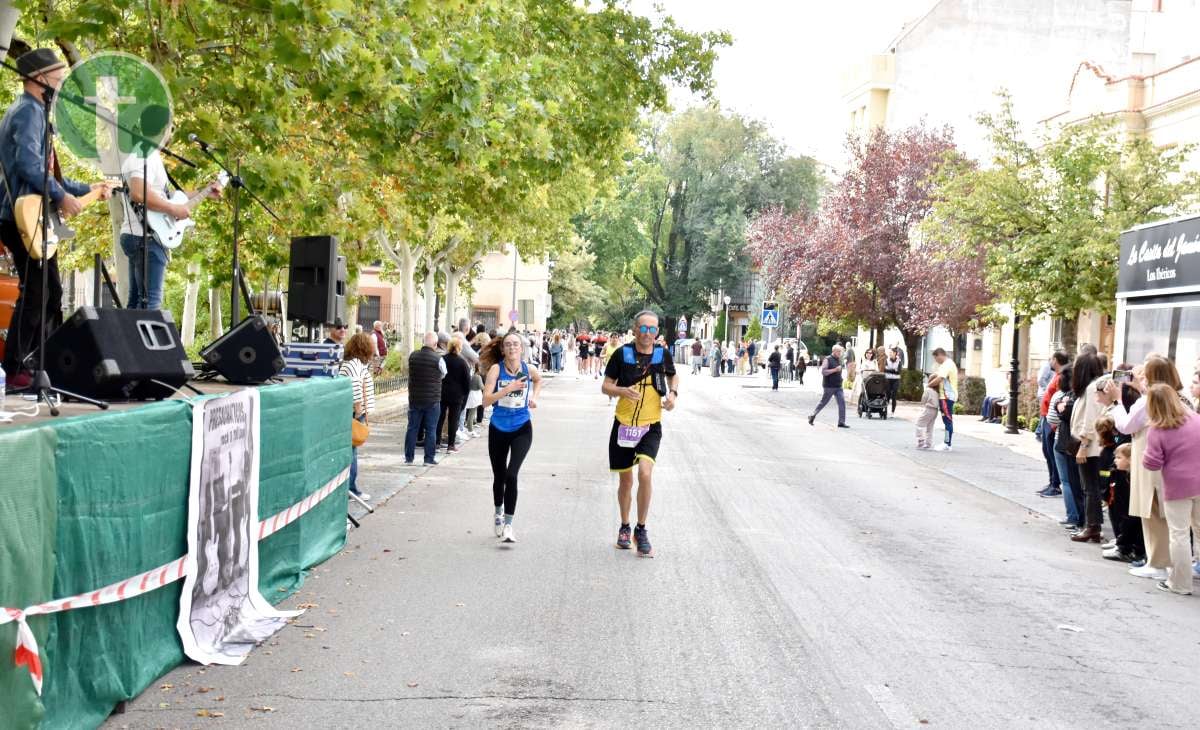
[{"x": 874, "y": 396}]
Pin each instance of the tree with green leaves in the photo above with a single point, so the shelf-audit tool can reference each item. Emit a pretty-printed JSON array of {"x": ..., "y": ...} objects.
[
  {"x": 423, "y": 132},
  {"x": 1047, "y": 215},
  {"x": 677, "y": 226}
]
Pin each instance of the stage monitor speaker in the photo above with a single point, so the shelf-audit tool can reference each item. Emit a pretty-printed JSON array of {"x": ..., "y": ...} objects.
[
  {"x": 246, "y": 354},
  {"x": 316, "y": 280},
  {"x": 132, "y": 354}
]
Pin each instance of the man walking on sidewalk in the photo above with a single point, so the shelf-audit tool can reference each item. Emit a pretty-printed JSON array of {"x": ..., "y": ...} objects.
[
  {"x": 697, "y": 356},
  {"x": 642, "y": 377},
  {"x": 831, "y": 382},
  {"x": 426, "y": 368},
  {"x": 945, "y": 379}
]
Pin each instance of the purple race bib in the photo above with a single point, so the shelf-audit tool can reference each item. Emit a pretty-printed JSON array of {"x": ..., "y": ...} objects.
[{"x": 630, "y": 436}]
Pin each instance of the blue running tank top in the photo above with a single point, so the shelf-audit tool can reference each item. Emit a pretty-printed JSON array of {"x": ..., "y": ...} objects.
[{"x": 512, "y": 411}]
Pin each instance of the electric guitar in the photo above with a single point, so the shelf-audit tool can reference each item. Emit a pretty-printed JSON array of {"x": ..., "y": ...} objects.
[
  {"x": 169, "y": 230},
  {"x": 28, "y": 214}
]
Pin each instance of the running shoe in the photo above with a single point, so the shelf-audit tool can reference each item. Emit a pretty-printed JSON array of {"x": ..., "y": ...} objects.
[
  {"x": 452, "y": 449},
  {"x": 643, "y": 542},
  {"x": 942, "y": 447},
  {"x": 507, "y": 535},
  {"x": 499, "y": 526},
  {"x": 624, "y": 541}
]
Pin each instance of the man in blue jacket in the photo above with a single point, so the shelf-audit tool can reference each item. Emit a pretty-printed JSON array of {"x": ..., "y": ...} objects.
[{"x": 24, "y": 165}]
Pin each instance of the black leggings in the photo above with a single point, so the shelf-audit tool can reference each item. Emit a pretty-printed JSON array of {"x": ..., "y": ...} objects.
[
  {"x": 449, "y": 420},
  {"x": 504, "y": 475}
]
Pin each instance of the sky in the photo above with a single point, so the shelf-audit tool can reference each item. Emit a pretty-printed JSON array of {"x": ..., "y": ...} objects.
[{"x": 786, "y": 63}]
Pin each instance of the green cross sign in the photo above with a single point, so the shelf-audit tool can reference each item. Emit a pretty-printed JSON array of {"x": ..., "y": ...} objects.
[{"x": 107, "y": 87}]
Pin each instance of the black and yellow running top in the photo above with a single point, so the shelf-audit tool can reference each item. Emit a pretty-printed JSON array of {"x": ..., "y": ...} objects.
[{"x": 628, "y": 367}]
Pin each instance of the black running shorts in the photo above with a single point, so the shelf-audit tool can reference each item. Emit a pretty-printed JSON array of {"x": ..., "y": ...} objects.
[{"x": 621, "y": 458}]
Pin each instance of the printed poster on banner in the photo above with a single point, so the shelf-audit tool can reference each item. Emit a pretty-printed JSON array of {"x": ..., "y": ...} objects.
[{"x": 222, "y": 616}]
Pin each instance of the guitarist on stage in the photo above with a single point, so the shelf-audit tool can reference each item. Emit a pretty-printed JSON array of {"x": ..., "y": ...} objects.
[
  {"x": 24, "y": 165},
  {"x": 146, "y": 292}
]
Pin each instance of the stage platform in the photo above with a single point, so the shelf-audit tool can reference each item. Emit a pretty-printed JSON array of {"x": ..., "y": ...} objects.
[{"x": 93, "y": 497}]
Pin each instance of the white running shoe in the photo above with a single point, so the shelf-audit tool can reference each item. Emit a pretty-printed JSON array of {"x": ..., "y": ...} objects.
[
  {"x": 464, "y": 435},
  {"x": 507, "y": 535},
  {"x": 942, "y": 447},
  {"x": 1148, "y": 572},
  {"x": 499, "y": 526}
]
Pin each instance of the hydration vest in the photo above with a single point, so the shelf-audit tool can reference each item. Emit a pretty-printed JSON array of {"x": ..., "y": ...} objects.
[{"x": 630, "y": 374}]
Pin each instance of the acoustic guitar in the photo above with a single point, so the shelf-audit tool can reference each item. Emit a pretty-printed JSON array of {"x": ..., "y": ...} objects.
[{"x": 28, "y": 214}]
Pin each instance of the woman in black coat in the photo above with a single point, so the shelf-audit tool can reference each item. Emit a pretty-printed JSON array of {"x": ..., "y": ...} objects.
[{"x": 455, "y": 388}]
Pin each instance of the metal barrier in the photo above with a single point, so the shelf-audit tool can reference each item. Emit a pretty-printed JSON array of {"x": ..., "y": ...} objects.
[{"x": 390, "y": 384}]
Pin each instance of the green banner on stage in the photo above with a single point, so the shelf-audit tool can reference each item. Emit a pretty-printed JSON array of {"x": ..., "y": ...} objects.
[
  {"x": 27, "y": 520},
  {"x": 120, "y": 480}
]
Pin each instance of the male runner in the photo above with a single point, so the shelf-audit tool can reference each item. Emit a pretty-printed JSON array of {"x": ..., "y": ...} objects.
[{"x": 642, "y": 376}]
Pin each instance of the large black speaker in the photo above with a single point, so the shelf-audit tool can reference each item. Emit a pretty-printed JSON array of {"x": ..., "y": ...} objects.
[
  {"x": 316, "y": 280},
  {"x": 118, "y": 353},
  {"x": 246, "y": 354}
]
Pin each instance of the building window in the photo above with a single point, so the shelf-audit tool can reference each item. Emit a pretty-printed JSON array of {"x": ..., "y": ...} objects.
[
  {"x": 368, "y": 311},
  {"x": 486, "y": 317}
]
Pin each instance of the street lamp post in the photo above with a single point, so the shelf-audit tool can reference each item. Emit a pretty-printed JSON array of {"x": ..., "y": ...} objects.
[
  {"x": 1014, "y": 381},
  {"x": 727, "y": 299}
]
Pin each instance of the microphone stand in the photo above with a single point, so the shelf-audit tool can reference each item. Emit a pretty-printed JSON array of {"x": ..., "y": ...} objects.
[{"x": 235, "y": 180}]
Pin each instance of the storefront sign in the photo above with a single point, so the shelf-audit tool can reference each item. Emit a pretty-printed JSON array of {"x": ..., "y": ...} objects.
[{"x": 1160, "y": 258}]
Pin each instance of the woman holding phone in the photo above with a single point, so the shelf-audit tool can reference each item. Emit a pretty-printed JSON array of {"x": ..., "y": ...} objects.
[{"x": 507, "y": 389}]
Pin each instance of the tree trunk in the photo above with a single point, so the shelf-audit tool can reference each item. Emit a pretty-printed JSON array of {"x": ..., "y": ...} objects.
[
  {"x": 911, "y": 342},
  {"x": 408, "y": 298},
  {"x": 427, "y": 293},
  {"x": 1070, "y": 334},
  {"x": 215, "y": 329},
  {"x": 191, "y": 296}
]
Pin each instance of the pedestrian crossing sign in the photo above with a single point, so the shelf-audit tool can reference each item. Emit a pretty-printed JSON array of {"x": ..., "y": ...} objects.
[{"x": 770, "y": 315}]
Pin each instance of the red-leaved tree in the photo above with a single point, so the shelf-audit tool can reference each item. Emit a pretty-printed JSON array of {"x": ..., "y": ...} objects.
[{"x": 858, "y": 259}]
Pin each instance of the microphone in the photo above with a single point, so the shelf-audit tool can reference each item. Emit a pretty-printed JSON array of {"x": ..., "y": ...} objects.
[{"x": 203, "y": 145}]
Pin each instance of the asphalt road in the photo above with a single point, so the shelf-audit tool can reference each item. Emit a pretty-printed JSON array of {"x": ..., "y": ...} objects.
[{"x": 804, "y": 577}]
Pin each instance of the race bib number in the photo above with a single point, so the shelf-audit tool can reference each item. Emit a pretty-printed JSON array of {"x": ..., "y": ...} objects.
[
  {"x": 515, "y": 399},
  {"x": 630, "y": 436}
]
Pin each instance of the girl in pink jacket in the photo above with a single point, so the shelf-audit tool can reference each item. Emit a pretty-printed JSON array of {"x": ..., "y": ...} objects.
[{"x": 1173, "y": 446}]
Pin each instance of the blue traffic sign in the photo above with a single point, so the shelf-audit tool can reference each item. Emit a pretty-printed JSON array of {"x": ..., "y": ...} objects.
[{"x": 770, "y": 317}]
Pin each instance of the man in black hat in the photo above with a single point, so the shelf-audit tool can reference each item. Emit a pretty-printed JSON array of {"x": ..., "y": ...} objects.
[
  {"x": 24, "y": 165},
  {"x": 336, "y": 333}
]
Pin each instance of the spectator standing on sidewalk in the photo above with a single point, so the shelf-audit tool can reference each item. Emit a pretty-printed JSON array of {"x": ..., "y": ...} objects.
[
  {"x": 775, "y": 361},
  {"x": 945, "y": 379},
  {"x": 1145, "y": 485},
  {"x": 697, "y": 356},
  {"x": 356, "y": 366},
  {"x": 1173, "y": 447},
  {"x": 752, "y": 356},
  {"x": 891, "y": 369},
  {"x": 425, "y": 372},
  {"x": 1045, "y": 430},
  {"x": 455, "y": 388},
  {"x": 1084, "y": 380},
  {"x": 1062, "y": 404},
  {"x": 831, "y": 384}
]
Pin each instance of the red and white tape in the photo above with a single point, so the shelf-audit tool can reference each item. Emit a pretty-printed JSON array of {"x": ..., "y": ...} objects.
[{"x": 27, "y": 653}]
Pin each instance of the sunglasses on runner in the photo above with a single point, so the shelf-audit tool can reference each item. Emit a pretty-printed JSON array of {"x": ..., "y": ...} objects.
[{"x": 647, "y": 329}]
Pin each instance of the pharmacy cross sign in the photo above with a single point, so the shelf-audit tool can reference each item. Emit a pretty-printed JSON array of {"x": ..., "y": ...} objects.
[{"x": 113, "y": 86}]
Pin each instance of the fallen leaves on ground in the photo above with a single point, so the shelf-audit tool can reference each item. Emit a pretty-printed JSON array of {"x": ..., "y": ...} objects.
[{"x": 209, "y": 713}]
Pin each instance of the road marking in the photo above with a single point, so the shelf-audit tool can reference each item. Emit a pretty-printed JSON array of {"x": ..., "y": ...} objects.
[{"x": 892, "y": 707}]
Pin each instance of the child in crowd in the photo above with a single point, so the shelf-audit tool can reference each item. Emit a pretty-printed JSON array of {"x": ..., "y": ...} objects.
[
  {"x": 474, "y": 401},
  {"x": 928, "y": 417},
  {"x": 1130, "y": 544}
]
